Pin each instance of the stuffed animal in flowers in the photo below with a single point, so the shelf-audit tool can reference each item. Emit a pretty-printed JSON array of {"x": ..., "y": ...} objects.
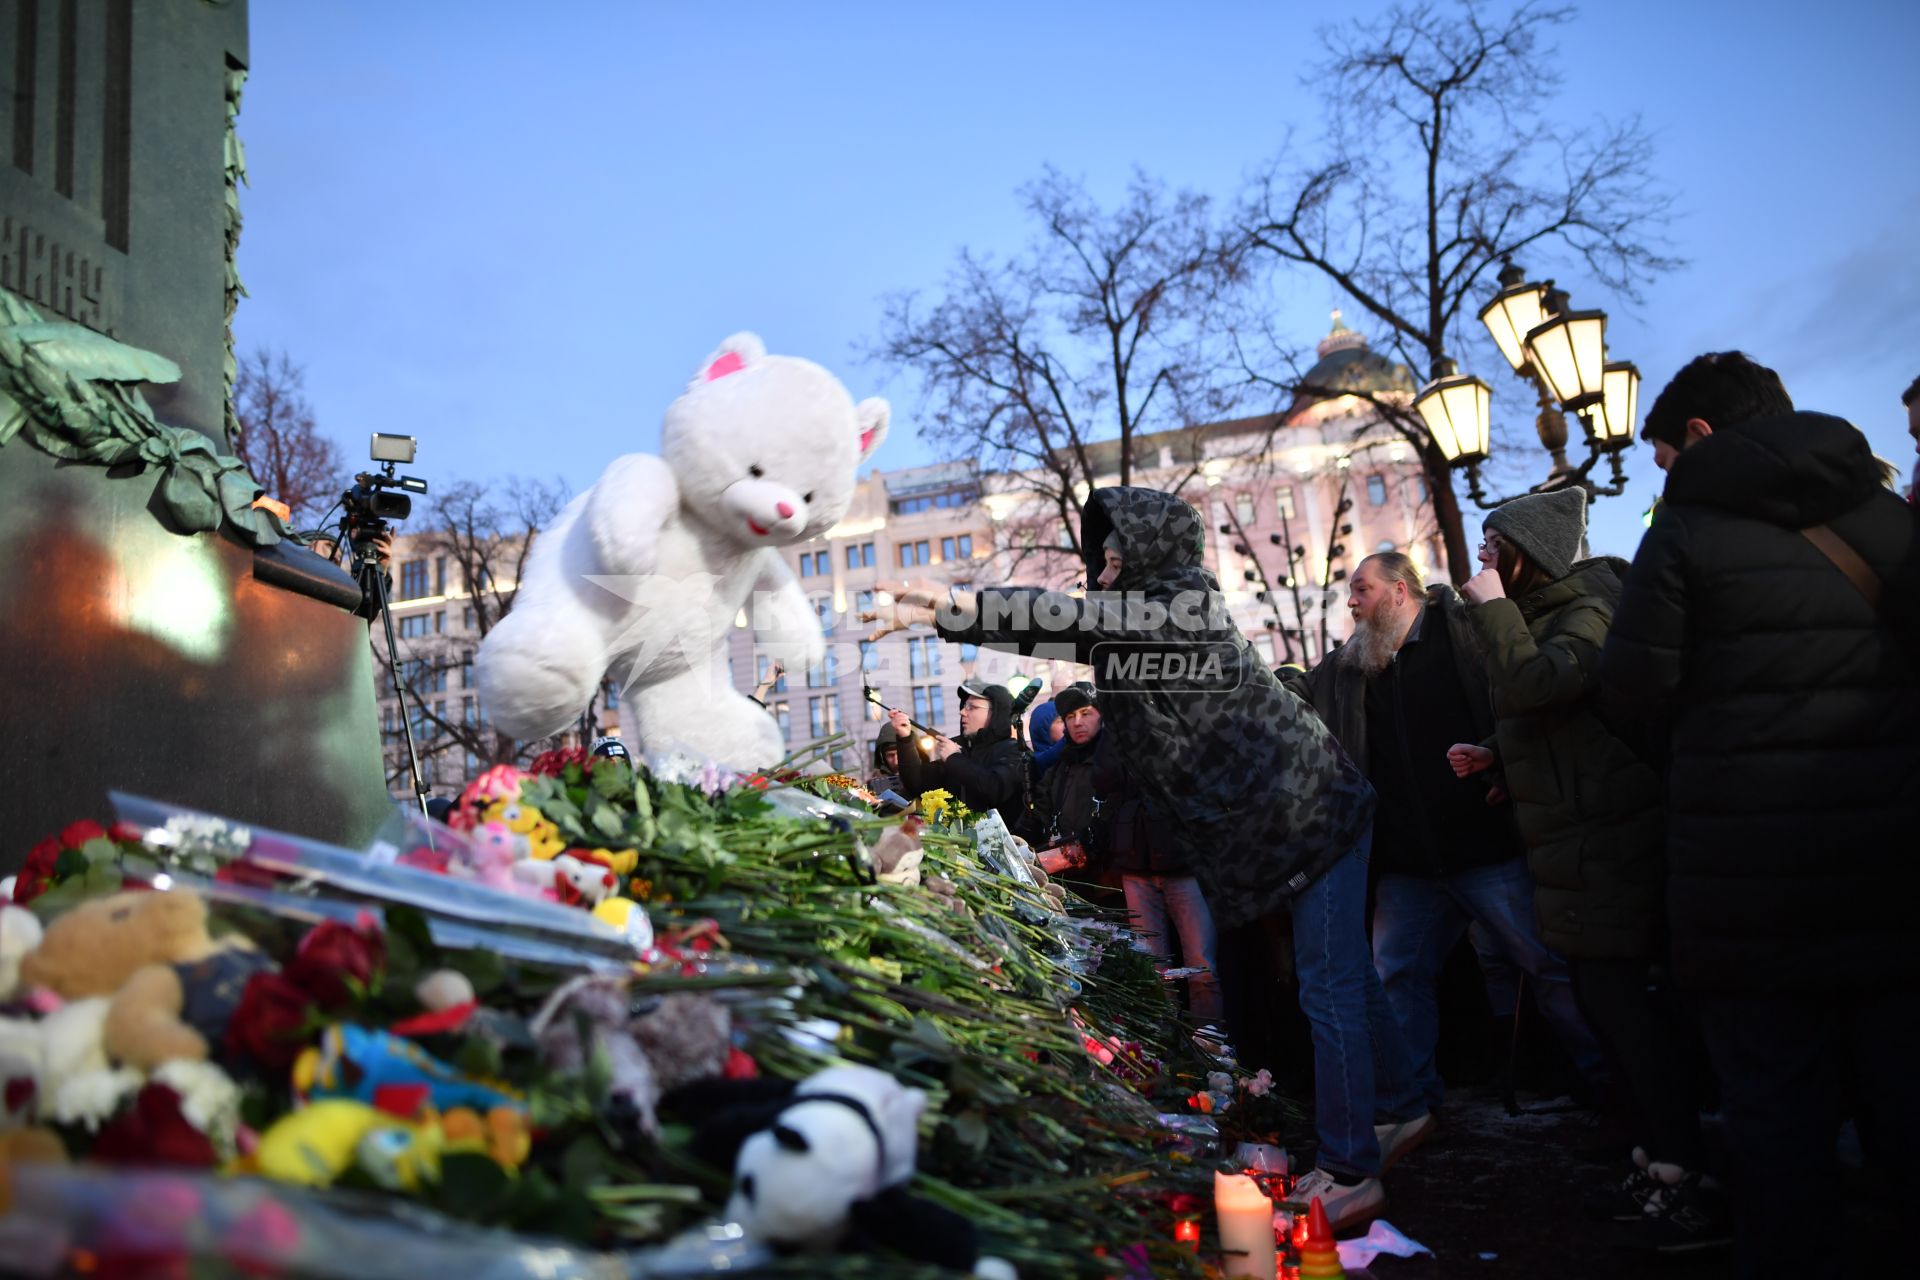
[
  {"x": 641, "y": 577},
  {"x": 170, "y": 988},
  {"x": 826, "y": 1164}
]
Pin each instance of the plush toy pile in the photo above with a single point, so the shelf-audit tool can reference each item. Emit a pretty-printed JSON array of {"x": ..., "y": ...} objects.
[{"x": 833, "y": 1031}]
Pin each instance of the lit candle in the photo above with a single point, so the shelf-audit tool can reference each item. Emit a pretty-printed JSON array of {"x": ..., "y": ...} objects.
[{"x": 1246, "y": 1226}]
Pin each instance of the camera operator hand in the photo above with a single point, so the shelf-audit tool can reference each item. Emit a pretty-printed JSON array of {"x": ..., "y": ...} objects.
[{"x": 383, "y": 548}]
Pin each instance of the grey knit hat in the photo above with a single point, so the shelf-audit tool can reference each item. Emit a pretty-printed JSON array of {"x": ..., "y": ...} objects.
[{"x": 1550, "y": 527}]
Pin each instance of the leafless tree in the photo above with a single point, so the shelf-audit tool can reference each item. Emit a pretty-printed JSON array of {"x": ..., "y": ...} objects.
[
  {"x": 1051, "y": 364},
  {"x": 1442, "y": 161},
  {"x": 482, "y": 534},
  {"x": 278, "y": 440}
]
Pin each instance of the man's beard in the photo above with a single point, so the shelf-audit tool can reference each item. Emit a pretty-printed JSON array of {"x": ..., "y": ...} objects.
[{"x": 1373, "y": 643}]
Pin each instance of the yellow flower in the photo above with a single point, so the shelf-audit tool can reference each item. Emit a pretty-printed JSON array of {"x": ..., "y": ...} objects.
[{"x": 935, "y": 803}]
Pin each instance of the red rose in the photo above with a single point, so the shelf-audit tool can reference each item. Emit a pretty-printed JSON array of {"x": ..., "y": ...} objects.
[
  {"x": 80, "y": 832},
  {"x": 36, "y": 877},
  {"x": 152, "y": 1131},
  {"x": 331, "y": 953},
  {"x": 127, "y": 833},
  {"x": 268, "y": 1026},
  {"x": 554, "y": 763},
  {"x": 251, "y": 874}
]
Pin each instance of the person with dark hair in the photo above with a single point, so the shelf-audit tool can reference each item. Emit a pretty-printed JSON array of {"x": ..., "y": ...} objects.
[
  {"x": 1266, "y": 808},
  {"x": 985, "y": 768},
  {"x": 1713, "y": 389},
  {"x": 886, "y": 761},
  {"x": 1589, "y": 808},
  {"x": 1771, "y": 615},
  {"x": 1911, "y": 399},
  {"x": 1409, "y": 683}
]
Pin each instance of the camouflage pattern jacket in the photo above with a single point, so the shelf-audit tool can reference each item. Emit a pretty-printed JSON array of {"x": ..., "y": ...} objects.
[{"x": 1260, "y": 796}]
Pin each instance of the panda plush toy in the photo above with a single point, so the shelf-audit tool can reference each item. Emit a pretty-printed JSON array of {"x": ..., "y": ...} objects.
[
  {"x": 823, "y": 1166},
  {"x": 640, "y": 579}
]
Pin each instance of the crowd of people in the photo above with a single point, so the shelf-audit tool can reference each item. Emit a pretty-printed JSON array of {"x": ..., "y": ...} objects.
[{"x": 1681, "y": 797}]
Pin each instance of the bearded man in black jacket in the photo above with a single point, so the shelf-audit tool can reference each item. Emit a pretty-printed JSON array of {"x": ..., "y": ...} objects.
[{"x": 1773, "y": 615}]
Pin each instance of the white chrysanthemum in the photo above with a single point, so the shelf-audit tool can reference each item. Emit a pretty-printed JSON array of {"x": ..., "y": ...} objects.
[
  {"x": 90, "y": 1097},
  {"x": 209, "y": 1099}
]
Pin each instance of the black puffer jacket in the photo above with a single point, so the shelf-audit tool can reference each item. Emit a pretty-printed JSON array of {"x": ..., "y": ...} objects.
[
  {"x": 1588, "y": 805},
  {"x": 1794, "y": 786},
  {"x": 1088, "y": 799},
  {"x": 1259, "y": 795},
  {"x": 989, "y": 772}
]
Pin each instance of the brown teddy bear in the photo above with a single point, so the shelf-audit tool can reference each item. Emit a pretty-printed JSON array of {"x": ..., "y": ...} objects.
[{"x": 172, "y": 986}]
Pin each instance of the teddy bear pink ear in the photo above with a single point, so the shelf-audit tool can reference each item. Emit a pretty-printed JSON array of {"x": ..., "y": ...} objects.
[
  {"x": 738, "y": 352},
  {"x": 873, "y": 414}
]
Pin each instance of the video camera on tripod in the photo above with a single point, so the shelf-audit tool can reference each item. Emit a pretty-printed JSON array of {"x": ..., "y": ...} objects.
[
  {"x": 379, "y": 497},
  {"x": 374, "y": 500}
]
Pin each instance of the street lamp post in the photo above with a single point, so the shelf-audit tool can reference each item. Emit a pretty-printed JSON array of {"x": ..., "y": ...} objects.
[{"x": 1562, "y": 353}]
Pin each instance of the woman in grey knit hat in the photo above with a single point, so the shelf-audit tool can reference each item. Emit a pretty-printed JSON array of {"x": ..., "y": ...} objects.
[{"x": 1591, "y": 812}]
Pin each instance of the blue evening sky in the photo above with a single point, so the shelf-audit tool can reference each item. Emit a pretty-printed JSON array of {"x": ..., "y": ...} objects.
[{"x": 514, "y": 230}]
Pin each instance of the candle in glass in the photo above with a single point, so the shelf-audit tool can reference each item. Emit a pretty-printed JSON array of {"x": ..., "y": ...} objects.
[{"x": 1246, "y": 1226}]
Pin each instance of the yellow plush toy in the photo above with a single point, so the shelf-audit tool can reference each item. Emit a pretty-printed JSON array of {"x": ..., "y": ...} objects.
[
  {"x": 317, "y": 1143},
  {"x": 542, "y": 837},
  {"x": 142, "y": 950}
]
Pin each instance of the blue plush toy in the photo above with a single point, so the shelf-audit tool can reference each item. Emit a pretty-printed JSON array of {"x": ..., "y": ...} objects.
[{"x": 392, "y": 1074}]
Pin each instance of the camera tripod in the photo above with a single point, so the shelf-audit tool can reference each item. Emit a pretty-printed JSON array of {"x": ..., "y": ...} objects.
[{"x": 373, "y": 585}]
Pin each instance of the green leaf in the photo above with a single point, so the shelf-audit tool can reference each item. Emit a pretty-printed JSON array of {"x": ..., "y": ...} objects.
[
  {"x": 474, "y": 1184},
  {"x": 484, "y": 969},
  {"x": 587, "y": 1163},
  {"x": 71, "y": 862},
  {"x": 480, "y": 1057}
]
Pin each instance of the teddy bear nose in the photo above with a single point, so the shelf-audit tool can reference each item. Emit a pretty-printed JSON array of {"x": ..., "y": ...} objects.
[{"x": 785, "y": 509}]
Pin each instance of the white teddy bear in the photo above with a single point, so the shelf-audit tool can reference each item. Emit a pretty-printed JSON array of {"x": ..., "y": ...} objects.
[{"x": 642, "y": 576}]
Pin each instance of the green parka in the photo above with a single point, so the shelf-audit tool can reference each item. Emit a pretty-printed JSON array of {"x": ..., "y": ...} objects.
[{"x": 1589, "y": 808}]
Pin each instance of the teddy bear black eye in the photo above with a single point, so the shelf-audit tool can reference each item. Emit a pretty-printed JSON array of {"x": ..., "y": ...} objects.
[
  {"x": 755, "y": 471},
  {"x": 746, "y": 1188},
  {"x": 807, "y": 497}
]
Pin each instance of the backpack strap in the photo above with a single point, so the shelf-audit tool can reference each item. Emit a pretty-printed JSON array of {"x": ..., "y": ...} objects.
[{"x": 1847, "y": 560}]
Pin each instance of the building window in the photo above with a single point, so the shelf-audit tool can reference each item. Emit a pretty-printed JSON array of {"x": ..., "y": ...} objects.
[
  {"x": 825, "y": 674},
  {"x": 1263, "y": 645},
  {"x": 1243, "y": 507},
  {"x": 613, "y": 695},
  {"x": 468, "y": 712},
  {"x": 863, "y": 602},
  {"x": 389, "y": 722},
  {"x": 874, "y": 712},
  {"x": 968, "y": 652},
  {"x": 1377, "y": 490},
  {"x": 823, "y": 610},
  {"x": 869, "y": 656},
  {"x": 814, "y": 564},
  {"x": 466, "y": 618},
  {"x": 413, "y": 627},
  {"x": 823, "y": 715},
  {"x": 914, "y": 553},
  {"x": 466, "y": 668},
  {"x": 931, "y": 501},
  {"x": 923, "y": 657},
  {"x": 860, "y": 555},
  {"x": 783, "y": 714},
  {"x": 413, "y": 579},
  {"x": 1283, "y": 502},
  {"x": 957, "y": 548},
  {"x": 761, "y": 665},
  {"x": 439, "y": 575},
  {"x": 439, "y": 621},
  {"x": 929, "y": 704}
]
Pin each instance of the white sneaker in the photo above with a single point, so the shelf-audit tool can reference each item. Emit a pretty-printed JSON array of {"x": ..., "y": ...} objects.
[
  {"x": 1343, "y": 1205},
  {"x": 1397, "y": 1138}
]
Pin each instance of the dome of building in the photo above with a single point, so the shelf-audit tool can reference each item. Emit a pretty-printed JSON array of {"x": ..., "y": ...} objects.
[{"x": 1347, "y": 364}]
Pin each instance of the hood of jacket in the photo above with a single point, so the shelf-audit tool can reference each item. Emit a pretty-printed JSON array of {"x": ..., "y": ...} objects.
[
  {"x": 1795, "y": 470},
  {"x": 886, "y": 738},
  {"x": 1599, "y": 578},
  {"x": 1040, "y": 724},
  {"x": 1162, "y": 541}
]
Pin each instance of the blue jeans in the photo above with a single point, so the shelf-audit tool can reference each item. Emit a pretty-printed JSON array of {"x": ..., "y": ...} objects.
[
  {"x": 1416, "y": 922},
  {"x": 1361, "y": 1072},
  {"x": 1156, "y": 901}
]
